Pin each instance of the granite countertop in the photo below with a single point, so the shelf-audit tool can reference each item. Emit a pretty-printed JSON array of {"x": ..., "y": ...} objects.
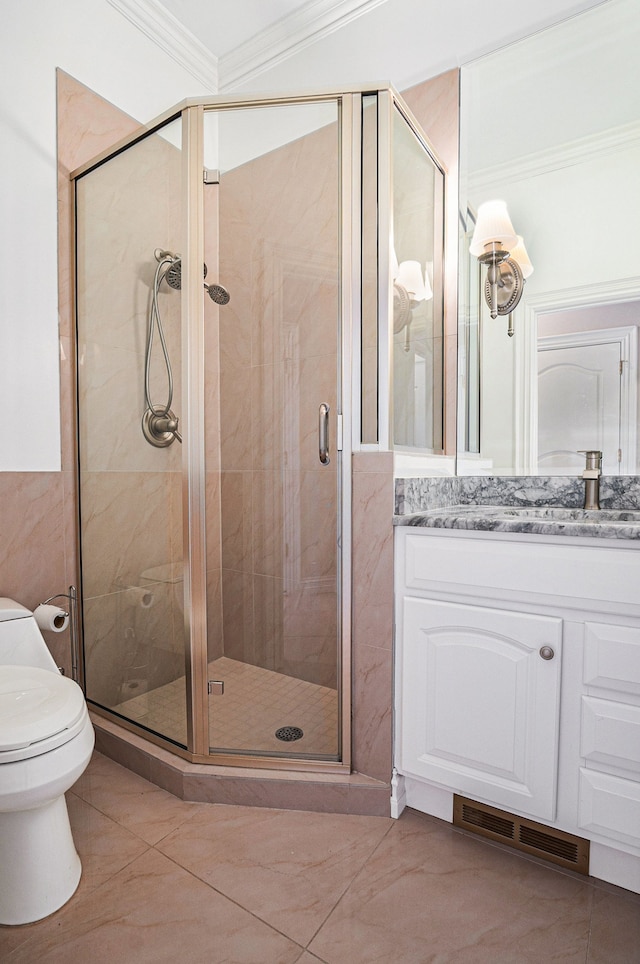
[{"x": 541, "y": 520}]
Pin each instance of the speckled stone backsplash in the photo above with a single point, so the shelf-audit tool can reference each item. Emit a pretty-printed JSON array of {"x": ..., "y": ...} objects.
[{"x": 417, "y": 495}]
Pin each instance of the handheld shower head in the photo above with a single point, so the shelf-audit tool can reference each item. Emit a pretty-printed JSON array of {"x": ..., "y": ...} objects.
[
  {"x": 173, "y": 274},
  {"x": 219, "y": 294}
]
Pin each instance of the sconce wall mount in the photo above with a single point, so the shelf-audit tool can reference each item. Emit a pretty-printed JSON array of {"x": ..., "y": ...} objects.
[
  {"x": 496, "y": 244},
  {"x": 503, "y": 287}
]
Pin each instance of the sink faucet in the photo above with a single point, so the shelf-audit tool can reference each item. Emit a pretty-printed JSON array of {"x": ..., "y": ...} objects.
[{"x": 591, "y": 476}]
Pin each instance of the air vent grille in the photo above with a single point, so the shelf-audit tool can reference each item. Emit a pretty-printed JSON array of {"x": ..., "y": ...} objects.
[
  {"x": 522, "y": 834},
  {"x": 567, "y": 849},
  {"x": 488, "y": 821}
]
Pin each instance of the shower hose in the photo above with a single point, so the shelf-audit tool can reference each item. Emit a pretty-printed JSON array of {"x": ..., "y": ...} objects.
[{"x": 165, "y": 260}]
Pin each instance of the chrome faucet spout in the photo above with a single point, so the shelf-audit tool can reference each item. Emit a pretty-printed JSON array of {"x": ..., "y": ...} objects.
[{"x": 591, "y": 476}]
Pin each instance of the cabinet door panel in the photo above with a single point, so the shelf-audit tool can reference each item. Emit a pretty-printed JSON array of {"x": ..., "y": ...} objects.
[
  {"x": 609, "y": 806},
  {"x": 612, "y": 657},
  {"x": 479, "y": 709},
  {"x": 611, "y": 733}
]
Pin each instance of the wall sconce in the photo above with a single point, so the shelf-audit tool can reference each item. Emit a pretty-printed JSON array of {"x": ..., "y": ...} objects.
[
  {"x": 410, "y": 287},
  {"x": 496, "y": 244}
]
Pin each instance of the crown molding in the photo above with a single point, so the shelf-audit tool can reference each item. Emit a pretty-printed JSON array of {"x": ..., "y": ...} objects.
[
  {"x": 163, "y": 29},
  {"x": 288, "y": 36},
  {"x": 553, "y": 159}
]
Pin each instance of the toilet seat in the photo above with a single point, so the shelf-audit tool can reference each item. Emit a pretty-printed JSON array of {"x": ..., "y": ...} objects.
[{"x": 39, "y": 710}]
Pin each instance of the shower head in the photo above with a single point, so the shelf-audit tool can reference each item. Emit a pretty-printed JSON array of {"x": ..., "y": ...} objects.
[
  {"x": 173, "y": 277},
  {"x": 219, "y": 294},
  {"x": 173, "y": 274}
]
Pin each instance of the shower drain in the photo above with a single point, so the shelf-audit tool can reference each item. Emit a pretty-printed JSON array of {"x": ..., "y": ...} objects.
[{"x": 289, "y": 733}]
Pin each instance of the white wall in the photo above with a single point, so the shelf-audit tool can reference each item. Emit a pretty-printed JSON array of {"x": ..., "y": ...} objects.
[{"x": 99, "y": 47}]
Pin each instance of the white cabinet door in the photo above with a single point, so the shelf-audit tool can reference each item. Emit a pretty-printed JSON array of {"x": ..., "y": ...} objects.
[{"x": 479, "y": 706}]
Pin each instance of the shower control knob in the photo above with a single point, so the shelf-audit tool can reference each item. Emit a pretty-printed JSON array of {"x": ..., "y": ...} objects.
[
  {"x": 547, "y": 652},
  {"x": 160, "y": 427}
]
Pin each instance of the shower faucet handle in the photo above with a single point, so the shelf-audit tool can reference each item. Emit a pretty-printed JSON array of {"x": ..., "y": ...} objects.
[{"x": 160, "y": 427}]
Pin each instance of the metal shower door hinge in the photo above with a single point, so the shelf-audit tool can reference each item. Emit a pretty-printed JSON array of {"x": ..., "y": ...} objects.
[
  {"x": 210, "y": 176},
  {"x": 215, "y": 687}
]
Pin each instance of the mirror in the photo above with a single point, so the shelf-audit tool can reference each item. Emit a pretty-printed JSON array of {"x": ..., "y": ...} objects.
[
  {"x": 418, "y": 200},
  {"x": 551, "y": 125}
]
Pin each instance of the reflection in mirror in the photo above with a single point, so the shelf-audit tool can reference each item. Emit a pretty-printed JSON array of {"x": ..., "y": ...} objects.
[
  {"x": 418, "y": 203},
  {"x": 564, "y": 157}
]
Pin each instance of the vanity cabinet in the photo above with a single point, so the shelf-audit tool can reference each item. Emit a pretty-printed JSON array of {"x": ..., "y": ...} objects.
[{"x": 517, "y": 676}]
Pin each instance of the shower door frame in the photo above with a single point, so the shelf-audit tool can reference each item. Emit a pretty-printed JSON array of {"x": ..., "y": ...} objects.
[
  {"x": 348, "y": 102},
  {"x": 194, "y": 511}
]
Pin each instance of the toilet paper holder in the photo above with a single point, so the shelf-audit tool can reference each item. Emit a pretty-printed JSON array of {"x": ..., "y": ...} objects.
[{"x": 72, "y": 596}]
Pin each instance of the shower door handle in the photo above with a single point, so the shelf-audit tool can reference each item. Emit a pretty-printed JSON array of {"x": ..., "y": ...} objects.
[{"x": 323, "y": 434}]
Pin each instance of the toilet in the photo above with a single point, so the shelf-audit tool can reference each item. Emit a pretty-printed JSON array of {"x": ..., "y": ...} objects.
[{"x": 46, "y": 742}]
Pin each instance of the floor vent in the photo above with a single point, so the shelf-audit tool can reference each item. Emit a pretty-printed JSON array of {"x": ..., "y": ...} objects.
[{"x": 522, "y": 834}]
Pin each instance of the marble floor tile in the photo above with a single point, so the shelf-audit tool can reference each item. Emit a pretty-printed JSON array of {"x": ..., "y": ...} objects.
[
  {"x": 247, "y": 884},
  {"x": 144, "y": 809},
  {"x": 104, "y": 846},
  {"x": 152, "y": 912},
  {"x": 288, "y": 867},
  {"x": 430, "y": 893},
  {"x": 615, "y": 929}
]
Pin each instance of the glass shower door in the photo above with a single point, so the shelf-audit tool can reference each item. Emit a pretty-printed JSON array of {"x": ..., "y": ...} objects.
[
  {"x": 128, "y": 211},
  {"x": 272, "y": 227}
]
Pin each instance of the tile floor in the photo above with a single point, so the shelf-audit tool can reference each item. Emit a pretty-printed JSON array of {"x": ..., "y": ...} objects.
[
  {"x": 169, "y": 881},
  {"x": 255, "y": 704}
]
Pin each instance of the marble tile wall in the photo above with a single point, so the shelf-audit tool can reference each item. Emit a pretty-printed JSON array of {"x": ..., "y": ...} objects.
[
  {"x": 130, "y": 499},
  {"x": 372, "y": 609},
  {"x": 278, "y": 351}
]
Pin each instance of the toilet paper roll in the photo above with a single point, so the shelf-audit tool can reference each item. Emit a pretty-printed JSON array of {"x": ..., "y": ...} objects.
[{"x": 51, "y": 618}]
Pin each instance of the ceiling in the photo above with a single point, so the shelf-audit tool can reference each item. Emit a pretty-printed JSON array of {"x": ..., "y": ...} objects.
[{"x": 279, "y": 45}]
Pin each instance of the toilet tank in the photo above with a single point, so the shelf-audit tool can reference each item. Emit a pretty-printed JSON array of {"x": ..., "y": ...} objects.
[{"x": 21, "y": 642}]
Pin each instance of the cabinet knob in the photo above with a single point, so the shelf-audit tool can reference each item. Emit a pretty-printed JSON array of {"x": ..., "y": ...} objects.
[{"x": 547, "y": 652}]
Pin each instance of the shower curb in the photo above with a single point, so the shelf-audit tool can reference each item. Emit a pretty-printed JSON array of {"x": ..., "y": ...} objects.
[{"x": 353, "y": 793}]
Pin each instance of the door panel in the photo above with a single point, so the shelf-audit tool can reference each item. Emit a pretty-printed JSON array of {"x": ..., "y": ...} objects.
[
  {"x": 277, "y": 518},
  {"x": 578, "y": 406}
]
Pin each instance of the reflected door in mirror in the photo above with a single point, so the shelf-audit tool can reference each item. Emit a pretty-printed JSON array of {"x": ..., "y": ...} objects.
[{"x": 578, "y": 407}]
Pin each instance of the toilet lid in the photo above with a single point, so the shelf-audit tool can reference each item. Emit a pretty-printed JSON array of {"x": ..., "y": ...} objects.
[{"x": 35, "y": 704}]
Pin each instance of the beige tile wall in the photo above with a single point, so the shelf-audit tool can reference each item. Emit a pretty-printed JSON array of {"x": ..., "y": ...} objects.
[
  {"x": 278, "y": 352},
  {"x": 130, "y": 500}
]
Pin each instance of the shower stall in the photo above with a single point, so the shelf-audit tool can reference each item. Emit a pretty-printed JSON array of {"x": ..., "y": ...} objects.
[{"x": 244, "y": 322}]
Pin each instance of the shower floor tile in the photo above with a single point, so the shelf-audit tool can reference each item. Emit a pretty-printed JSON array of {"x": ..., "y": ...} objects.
[{"x": 256, "y": 703}]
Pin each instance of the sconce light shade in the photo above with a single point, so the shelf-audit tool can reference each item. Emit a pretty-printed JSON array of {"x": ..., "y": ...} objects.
[
  {"x": 411, "y": 278},
  {"x": 493, "y": 227},
  {"x": 519, "y": 254}
]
